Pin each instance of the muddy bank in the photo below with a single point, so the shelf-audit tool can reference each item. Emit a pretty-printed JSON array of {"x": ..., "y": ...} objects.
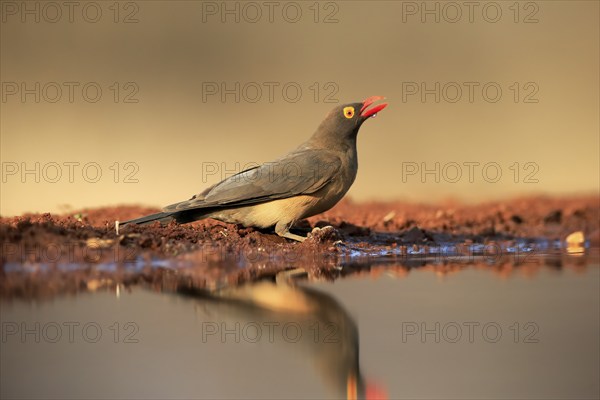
[{"x": 43, "y": 253}]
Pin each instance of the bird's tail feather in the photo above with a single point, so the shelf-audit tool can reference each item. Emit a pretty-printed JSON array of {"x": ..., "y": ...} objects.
[{"x": 162, "y": 217}]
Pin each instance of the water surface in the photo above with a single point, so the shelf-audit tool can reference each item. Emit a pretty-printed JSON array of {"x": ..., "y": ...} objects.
[{"x": 415, "y": 334}]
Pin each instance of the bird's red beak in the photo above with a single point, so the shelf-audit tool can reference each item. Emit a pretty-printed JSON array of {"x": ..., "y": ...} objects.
[{"x": 372, "y": 111}]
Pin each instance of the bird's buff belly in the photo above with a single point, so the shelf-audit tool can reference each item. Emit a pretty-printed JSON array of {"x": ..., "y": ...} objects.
[{"x": 268, "y": 214}]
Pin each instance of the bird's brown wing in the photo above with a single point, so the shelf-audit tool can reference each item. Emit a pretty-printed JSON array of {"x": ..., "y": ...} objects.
[{"x": 301, "y": 172}]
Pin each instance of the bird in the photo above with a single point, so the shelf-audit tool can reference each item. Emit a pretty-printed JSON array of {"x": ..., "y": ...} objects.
[{"x": 307, "y": 181}]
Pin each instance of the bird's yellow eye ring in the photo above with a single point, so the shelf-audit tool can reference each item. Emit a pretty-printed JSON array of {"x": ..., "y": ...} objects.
[{"x": 348, "y": 112}]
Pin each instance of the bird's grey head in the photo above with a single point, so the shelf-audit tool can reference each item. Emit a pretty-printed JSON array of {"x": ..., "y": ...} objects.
[{"x": 344, "y": 121}]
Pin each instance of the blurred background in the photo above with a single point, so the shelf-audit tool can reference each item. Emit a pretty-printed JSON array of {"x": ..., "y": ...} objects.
[{"x": 107, "y": 103}]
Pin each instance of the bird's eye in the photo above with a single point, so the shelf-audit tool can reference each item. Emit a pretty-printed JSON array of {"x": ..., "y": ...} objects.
[{"x": 348, "y": 112}]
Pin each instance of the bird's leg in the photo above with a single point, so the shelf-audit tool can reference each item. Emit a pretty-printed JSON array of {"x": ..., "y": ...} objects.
[
  {"x": 288, "y": 277},
  {"x": 283, "y": 230}
]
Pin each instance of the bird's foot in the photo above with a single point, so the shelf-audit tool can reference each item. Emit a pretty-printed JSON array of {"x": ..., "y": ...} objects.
[
  {"x": 320, "y": 235},
  {"x": 325, "y": 234}
]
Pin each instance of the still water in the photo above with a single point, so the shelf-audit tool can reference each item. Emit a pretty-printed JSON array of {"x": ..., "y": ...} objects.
[{"x": 421, "y": 334}]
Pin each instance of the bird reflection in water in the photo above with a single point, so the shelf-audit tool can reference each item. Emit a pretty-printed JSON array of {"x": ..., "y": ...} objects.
[{"x": 333, "y": 342}]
